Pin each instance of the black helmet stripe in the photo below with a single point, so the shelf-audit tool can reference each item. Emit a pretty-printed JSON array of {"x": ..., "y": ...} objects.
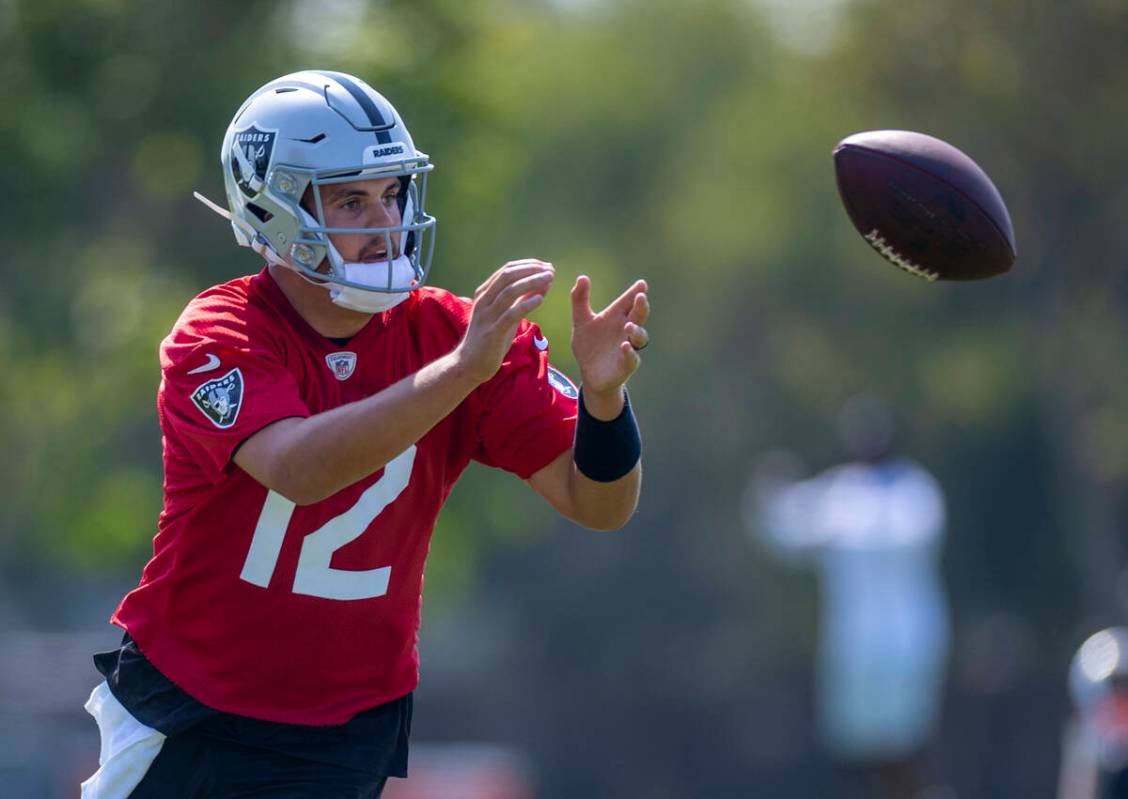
[{"x": 374, "y": 115}]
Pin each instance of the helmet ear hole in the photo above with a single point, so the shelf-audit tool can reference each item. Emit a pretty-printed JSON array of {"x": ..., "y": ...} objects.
[{"x": 262, "y": 214}]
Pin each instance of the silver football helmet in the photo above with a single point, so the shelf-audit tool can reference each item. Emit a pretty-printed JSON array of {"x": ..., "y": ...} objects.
[{"x": 318, "y": 128}]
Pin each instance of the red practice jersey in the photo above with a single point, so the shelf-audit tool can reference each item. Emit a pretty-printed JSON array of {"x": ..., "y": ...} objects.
[{"x": 310, "y": 614}]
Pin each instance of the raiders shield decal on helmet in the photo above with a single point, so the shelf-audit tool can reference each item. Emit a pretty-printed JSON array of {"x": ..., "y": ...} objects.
[
  {"x": 220, "y": 399},
  {"x": 559, "y": 381},
  {"x": 341, "y": 364},
  {"x": 250, "y": 156}
]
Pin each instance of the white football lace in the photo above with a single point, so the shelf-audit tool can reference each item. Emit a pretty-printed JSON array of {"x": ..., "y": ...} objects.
[{"x": 877, "y": 241}]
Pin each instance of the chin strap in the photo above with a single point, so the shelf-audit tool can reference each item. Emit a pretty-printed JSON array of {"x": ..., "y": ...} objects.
[{"x": 246, "y": 235}]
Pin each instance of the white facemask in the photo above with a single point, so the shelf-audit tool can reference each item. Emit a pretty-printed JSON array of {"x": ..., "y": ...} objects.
[{"x": 373, "y": 274}]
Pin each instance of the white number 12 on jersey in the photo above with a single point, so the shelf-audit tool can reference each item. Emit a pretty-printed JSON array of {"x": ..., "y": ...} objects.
[{"x": 315, "y": 577}]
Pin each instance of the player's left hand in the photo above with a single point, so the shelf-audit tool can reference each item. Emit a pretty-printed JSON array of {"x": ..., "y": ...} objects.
[{"x": 607, "y": 344}]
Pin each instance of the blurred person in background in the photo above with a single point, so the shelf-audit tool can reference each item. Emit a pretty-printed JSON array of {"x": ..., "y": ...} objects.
[
  {"x": 315, "y": 417},
  {"x": 1094, "y": 762},
  {"x": 873, "y": 529}
]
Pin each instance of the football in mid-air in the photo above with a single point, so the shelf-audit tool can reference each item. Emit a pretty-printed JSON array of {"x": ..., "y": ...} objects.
[{"x": 924, "y": 205}]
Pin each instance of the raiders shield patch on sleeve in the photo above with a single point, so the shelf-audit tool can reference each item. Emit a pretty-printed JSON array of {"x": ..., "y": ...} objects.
[
  {"x": 221, "y": 398},
  {"x": 559, "y": 381}
]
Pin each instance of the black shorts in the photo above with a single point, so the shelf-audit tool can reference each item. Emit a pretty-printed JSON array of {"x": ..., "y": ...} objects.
[
  {"x": 194, "y": 766},
  {"x": 167, "y": 744}
]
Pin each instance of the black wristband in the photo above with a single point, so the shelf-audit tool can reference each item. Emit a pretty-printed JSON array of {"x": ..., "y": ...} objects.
[{"x": 606, "y": 451}]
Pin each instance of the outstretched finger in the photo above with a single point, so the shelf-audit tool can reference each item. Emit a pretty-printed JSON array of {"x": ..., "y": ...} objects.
[
  {"x": 636, "y": 336},
  {"x": 640, "y": 310},
  {"x": 581, "y": 300},
  {"x": 537, "y": 283},
  {"x": 625, "y": 301},
  {"x": 631, "y": 357},
  {"x": 508, "y": 275},
  {"x": 520, "y": 309}
]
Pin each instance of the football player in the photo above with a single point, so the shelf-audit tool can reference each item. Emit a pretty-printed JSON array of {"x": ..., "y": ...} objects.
[{"x": 315, "y": 417}]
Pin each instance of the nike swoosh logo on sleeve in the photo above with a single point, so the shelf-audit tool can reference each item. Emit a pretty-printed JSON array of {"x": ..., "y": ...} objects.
[
  {"x": 541, "y": 342},
  {"x": 213, "y": 363}
]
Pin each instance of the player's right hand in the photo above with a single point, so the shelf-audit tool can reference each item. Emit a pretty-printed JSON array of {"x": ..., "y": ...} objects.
[{"x": 500, "y": 303}]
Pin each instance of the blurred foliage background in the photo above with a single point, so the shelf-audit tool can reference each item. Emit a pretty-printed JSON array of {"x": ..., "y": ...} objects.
[{"x": 684, "y": 141}]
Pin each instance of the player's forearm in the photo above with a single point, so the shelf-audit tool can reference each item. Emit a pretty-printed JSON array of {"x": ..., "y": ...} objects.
[
  {"x": 597, "y": 504},
  {"x": 605, "y": 506},
  {"x": 326, "y": 452},
  {"x": 596, "y": 484}
]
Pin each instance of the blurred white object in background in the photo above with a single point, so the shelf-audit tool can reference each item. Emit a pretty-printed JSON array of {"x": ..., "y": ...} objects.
[
  {"x": 872, "y": 529},
  {"x": 1094, "y": 763},
  {"x": 873, "y": 534}
]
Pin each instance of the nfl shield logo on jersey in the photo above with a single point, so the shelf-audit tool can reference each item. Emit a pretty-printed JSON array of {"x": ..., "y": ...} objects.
[
  {"x": 250, "y": 153},
  {"x": 341, "y": 364},
  {"x": 220, "y": 399}
]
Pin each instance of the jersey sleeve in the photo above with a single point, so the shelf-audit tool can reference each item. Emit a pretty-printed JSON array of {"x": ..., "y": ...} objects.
[
  {"x": 528, "y": 409},
  {"x": 222, "y": 381}
]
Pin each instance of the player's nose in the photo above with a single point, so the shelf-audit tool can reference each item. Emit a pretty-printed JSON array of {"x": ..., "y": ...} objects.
[{"x": 385, "y": 215}]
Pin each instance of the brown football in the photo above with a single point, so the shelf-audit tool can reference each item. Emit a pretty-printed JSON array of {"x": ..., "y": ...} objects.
[{"x": 924, "y": 205}]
